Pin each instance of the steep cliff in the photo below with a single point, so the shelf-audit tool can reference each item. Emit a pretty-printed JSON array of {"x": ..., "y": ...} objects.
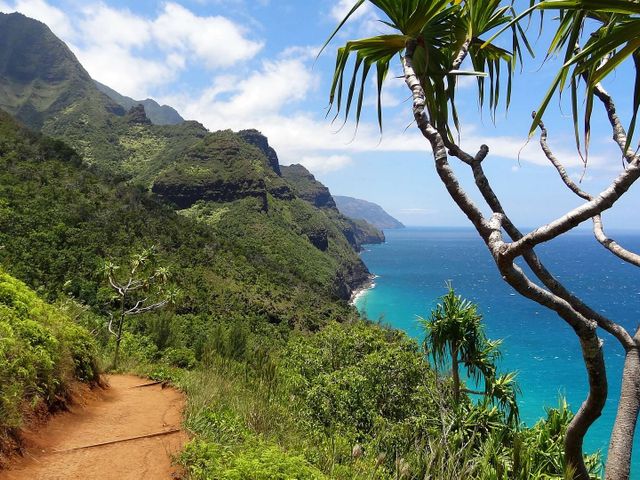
[
  {"x": 357, "y": 232},
  {"x": 366, "y": 211}
]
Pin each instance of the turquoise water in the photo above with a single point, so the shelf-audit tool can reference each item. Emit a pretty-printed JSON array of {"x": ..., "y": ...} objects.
[{"x": 415, "y": 263}]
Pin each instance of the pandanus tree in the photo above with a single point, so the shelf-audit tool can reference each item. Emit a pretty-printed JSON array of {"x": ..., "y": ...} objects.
[
  {"x": 433, "y": 40},
  {"x": 454, "y": 334}
]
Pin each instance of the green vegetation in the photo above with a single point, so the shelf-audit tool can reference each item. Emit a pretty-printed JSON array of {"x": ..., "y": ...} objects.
[
  {"x": 353, "y": 401},
  {"x": 267, "y": 395},
  {"x": 455, "y": 332},
  {"x": 141, "y": 289},
  {"x": 42, "y": 351}
]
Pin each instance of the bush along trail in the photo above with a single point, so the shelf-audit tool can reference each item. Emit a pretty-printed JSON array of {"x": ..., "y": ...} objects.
[{"x": 130, "y": 430}]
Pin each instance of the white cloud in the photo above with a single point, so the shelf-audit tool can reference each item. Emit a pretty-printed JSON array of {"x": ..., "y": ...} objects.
[
  {"x": 249, "y": 101},
  {"x": 324, "y": 164},
  {"x": 216, "y": 40},
  {"x": 103, "y": 25},
  {"x": 118, "y": 68}
]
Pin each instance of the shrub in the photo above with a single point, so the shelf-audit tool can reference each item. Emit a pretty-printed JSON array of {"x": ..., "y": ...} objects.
[
  {"x": 41, "y": 352},
  {"x": 180, "y": 357}
]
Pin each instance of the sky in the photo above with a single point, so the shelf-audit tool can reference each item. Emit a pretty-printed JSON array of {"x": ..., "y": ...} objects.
[{"x": 236, "y": 64}]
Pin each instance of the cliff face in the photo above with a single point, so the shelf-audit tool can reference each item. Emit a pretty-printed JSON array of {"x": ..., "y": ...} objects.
[
  {"x": 307, "y": 187},
  {"x": 367, "y": 211},
  {"x": 357, "y": 232},
  {"x": 255, "y": 138}
]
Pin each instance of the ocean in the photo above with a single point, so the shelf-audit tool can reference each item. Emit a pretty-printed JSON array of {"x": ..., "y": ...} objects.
[{"x": 412, "y": 269}]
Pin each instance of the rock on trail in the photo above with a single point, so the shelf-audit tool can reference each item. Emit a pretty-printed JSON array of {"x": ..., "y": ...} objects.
[{"x": 124, "y": 432}]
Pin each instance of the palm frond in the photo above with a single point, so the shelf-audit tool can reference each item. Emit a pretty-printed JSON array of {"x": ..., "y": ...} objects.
[{"x": 441, "y": 29}]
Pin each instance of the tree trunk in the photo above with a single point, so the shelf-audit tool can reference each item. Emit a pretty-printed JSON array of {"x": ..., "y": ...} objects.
[
  {"x": 119, "y": 335},
  {"x": 592, "y": 407},
  {"x": 456, "y": 376},
  {"x": 118, "y": 339},
  {"x": 619, "y": 455}
]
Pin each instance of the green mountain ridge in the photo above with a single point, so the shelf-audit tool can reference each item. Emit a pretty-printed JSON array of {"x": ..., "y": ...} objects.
[
  {"x": 198, "y": 173},
  {"x": 158, "y": 114},
  {"x": 367, "y": 211},
  {"x": 182, "y": 163},
  {"x": 40, "y": 76}
]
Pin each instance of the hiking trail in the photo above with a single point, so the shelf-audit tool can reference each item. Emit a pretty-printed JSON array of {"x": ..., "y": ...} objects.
[{"x": 129, "y": 431}]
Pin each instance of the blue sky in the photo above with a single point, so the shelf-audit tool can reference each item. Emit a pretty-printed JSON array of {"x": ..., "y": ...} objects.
[{"x": 252, "y": 64}]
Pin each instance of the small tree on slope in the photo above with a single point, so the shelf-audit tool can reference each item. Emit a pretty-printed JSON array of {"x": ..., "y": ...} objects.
[
  {"x": 432, "y": 39},
  {"x": 455, "y": 332},
  {"x": 140, "y": 290}
]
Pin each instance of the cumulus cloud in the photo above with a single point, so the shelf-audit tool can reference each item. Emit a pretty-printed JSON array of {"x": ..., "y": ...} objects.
[
  {"x": 105, "y": 26},
  {"x": 216, "y": 40},
  {"x": 242, "y": 102},
  {"x": 127, "y": 73}
]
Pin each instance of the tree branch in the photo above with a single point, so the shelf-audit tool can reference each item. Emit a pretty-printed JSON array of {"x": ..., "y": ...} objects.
[
  {"x": 138, "y": 310},
  {"x": 110, "y": 325},
  {"x": 558, "y": 165},
  {"x": 462, "y": 54},
  {"x": 438, "y": 146},
  {"x": 619, "y": 133},
  {"x": 598, "y": 228},
  {"x": 532, "y": 260},
  {"x": 491, "y": 234},
  {"x": 605, "y": 200}
]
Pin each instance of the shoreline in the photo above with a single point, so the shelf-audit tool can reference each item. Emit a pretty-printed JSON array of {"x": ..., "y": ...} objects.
[{"x": 362, "y": 290}]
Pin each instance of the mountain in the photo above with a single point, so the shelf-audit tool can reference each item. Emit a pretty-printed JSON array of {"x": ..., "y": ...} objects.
[
  {"x": 368, "y": 211},
  {"x": 358, "y": 232},
  {"x": 158, "y": 114},
  {"x": 41, "y": 78},
  {"x": 102, "y": 182}
]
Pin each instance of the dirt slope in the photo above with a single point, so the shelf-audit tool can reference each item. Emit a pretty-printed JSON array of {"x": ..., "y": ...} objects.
[{"x": 119, "y": 412}]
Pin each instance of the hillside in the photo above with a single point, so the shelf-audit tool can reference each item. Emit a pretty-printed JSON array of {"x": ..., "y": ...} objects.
[
  {"x": 58, "y": 217},
  {"x": 42, "y": 352},
  {"x": 184, "y": 165},
  {"x": 158, "y": 114},
  {"x": 367, "y": 211},
  {"x": 358, "y": 232}
]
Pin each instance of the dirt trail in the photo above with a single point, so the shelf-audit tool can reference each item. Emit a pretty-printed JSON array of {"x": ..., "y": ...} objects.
[{"x": 119, "y": 412}]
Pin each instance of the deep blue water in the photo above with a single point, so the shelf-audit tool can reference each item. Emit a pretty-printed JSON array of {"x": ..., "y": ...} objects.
[{"x": 415, "y": 263}]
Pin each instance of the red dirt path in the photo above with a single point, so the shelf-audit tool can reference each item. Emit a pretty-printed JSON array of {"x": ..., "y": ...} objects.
[{"x": 117, "y": 413}]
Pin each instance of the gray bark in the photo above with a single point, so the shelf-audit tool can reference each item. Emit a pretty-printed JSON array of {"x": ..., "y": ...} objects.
[{"x": 621, "y": 444}]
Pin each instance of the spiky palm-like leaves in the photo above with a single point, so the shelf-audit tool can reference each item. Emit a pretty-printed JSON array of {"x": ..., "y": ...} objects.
[
  {"x": 454, "y": 334},
  {"x": 594, "y": 38},
  {"x": 442, "y": 29}
]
